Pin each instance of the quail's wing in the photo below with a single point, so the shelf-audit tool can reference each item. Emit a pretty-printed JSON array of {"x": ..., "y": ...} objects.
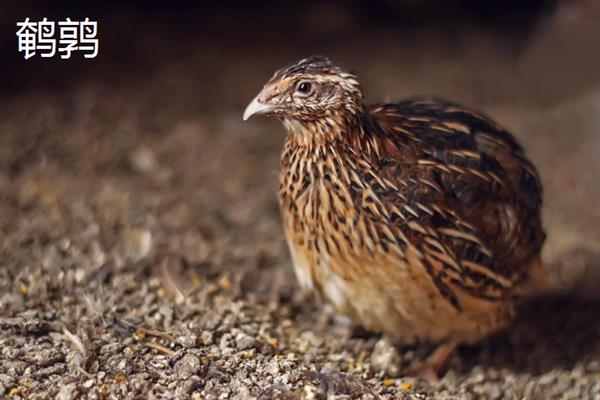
[{"x": 470, "y": 198}]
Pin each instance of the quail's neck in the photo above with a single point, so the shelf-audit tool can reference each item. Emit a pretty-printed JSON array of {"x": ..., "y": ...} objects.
[{"x": 325, "y": 131}]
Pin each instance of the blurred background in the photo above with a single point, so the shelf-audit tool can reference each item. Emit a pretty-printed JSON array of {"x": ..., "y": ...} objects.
[{"x": 110, "y": 165}]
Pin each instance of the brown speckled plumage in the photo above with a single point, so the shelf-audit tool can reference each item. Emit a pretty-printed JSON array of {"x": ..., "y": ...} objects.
[{"x": 419, "y": 219}]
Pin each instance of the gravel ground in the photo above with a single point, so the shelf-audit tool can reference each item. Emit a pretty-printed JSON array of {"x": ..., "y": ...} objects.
[{"x": 141, "y": 254}]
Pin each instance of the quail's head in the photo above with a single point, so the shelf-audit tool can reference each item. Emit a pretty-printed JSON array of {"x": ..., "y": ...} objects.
[{"x": 310, "y": 90}]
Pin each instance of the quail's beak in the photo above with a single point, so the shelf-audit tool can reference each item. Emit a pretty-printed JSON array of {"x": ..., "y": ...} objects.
[{"x": 257, "y": 107}]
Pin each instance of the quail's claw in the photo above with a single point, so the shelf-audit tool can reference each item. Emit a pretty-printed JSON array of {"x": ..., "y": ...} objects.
[
  {"x": 429, "y": 369},
  {"x": 425, "y": 372}
]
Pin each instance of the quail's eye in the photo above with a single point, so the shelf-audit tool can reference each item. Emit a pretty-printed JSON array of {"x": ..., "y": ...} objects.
[{"x": 304, "y": 87}]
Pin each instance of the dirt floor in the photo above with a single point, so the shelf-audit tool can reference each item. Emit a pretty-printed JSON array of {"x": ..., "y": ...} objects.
[{"x": 141, "y": 254}]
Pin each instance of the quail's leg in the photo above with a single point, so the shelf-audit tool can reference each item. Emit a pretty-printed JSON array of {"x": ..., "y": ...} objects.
[{"x": 428, "y": 369}]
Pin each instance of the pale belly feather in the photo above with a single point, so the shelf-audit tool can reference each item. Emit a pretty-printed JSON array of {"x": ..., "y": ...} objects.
[{"x": 398, "y": 300}]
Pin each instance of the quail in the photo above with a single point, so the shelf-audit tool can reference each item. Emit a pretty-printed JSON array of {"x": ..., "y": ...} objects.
[{"x": 418, "y": 219}]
